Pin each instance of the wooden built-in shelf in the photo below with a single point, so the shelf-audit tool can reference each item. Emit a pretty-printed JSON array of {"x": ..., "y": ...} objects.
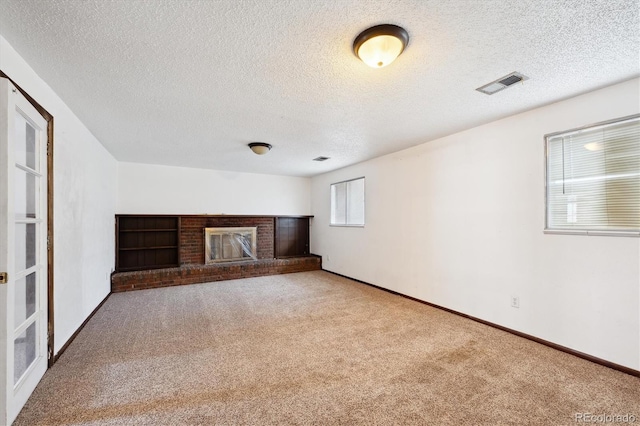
[
  {"x": 147, "y": 242},
  {"x": 148, "y": 248},
  {"x": 147, "y": 268},
  {"x": 149, "y": 230},
  {"x": 291, "y": 237}
]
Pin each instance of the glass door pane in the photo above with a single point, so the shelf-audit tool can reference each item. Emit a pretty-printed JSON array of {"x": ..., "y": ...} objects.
[
  {"x": 25, "y": 298},
  {"x": 26, "y": 143},
  {"x": 25, "y": 246},
  {"x": 25, "y": 194},
  {"x": 24, "y": 352}
]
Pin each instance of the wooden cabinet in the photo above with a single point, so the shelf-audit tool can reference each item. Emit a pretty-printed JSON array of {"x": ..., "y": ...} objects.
[
  {"x": 291, "y": 236},
  {"x": 147, "y": 242}
]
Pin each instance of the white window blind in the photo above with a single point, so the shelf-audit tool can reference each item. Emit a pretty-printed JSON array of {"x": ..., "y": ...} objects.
[
  {"x": 593, "y": 178},
  {"x": 347, "y": 203}
]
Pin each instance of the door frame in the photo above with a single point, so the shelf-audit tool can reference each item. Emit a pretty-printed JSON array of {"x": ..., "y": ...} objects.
[{"x": 50, "y": 311}]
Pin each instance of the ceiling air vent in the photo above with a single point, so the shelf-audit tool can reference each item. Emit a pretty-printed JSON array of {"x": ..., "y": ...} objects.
[
  {"x": 321, "y": 159},
  {"x": 502, "y": 83}
]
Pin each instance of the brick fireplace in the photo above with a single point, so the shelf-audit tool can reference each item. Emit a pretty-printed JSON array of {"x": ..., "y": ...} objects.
[
  {"x": 280, "y": 248},
  {"x": 192, "y": 245}
]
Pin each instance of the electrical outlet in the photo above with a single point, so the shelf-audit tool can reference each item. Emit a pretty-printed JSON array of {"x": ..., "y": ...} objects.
[
  {"x": 328, "y": 258},
  {"x": 515, "y": 302}
]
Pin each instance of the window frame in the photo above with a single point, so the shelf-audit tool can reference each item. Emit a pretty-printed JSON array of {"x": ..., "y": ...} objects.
[
  {"x": 346, "y": 225},
  {"x": 567, "y": 231}
]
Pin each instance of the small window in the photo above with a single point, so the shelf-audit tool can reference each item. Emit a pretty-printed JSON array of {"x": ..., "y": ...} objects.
[
  {"x": 593, "y": 178},
  {"x": 347, "y": 203}
]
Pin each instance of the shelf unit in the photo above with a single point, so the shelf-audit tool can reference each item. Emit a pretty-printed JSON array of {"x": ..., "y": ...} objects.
[
  {"x": 291, "y": 237},
  {"x": 147, "y": 242}
]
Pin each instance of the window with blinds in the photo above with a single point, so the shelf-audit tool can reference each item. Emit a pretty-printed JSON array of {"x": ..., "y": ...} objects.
[
  {"x": 347, "y": 203},
  {"x": 593, "y": 178}
]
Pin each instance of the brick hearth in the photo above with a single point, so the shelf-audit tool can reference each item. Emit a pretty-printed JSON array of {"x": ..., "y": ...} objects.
[{"x": 193, "y": 274}]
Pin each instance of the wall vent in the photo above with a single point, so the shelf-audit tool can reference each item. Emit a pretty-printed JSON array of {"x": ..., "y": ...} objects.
[
  {"x": 502, "y": 83},
  {"x": 321, "y": 159}
]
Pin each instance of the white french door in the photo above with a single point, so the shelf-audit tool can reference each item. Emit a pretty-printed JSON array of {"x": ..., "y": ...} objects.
[{"x": 23, "y": 250}]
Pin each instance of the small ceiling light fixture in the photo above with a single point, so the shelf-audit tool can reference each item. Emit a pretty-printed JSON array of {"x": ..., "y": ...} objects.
[
  {"x": 380, "y": 45},
  {"x": 260, "y": 148}
]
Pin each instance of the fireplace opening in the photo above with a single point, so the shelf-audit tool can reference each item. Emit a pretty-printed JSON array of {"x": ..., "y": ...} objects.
[{"x": 230, "y": 244}]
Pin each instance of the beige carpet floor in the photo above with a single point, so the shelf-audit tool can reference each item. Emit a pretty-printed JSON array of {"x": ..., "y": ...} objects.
[{"x": 311, "y": 349}]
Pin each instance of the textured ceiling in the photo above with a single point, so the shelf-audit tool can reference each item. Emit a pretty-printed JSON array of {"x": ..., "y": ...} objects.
[{"x": 190, "y": 83}]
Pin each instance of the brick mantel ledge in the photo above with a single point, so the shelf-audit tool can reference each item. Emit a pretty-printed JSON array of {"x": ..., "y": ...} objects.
[{"x": 193, "y": 274}]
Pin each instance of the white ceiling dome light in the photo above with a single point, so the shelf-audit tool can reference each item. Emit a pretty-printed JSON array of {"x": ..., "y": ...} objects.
[
  {"x": 260, "y": 148},
  {"x": 380, "y": 45}
]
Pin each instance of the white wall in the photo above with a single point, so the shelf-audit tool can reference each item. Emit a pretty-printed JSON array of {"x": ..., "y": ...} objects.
[
  {"x": 458, "y": 222},
  {"x": 152, "y": 189},
  {"x": 84, "y": 204}
]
